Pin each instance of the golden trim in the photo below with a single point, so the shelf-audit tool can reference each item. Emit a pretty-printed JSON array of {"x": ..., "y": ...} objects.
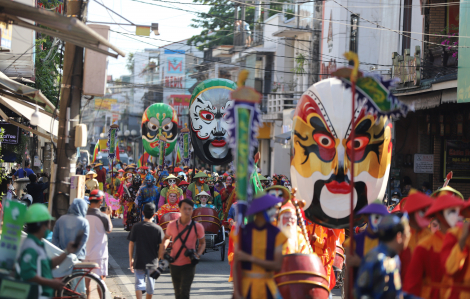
[
  {"x": 301, "y": 272},
  {"x": 304, "y": 281},
  {"x": 206, "y": 216},
  {"x": 208, "y": 221},
  {"x": 340, "y": 247},
  {"x": 340, "y": 254}
]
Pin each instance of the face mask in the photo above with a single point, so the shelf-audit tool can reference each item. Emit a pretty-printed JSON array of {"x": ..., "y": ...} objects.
[
  {"x": 374, "y": 221},
  {"x": 451, "y": 215},
  {"x": 421, "y": 220},
  {"x": 149, "y": 183},
  {"x": 101, "y": 167},
  {"x": 47, "y": 233},
  {"x": 201, "y": 181},
  {"x": 171, "y": 181}
]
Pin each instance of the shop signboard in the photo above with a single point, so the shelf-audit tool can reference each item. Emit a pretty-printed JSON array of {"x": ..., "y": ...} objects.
[
  {"x": 406, "y": 68},
  {"x": 424, "y": 163},
  {"x": 457, "y": 159},
  {"x": 180, "y": 102},
  {"x": 13, "y": 221},
  {"x": 11, "y": 134}
]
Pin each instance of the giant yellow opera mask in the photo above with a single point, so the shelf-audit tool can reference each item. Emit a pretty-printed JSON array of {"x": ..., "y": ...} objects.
[{"x": 321, "y": 165}]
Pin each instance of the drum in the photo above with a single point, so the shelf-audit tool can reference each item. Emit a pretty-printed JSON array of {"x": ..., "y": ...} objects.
[
  {"x": 339, "y": 258},
  {"x": 302, "y": 276},
  {"x": 208, "y": 218},
  {"x": 167, "y": 218}
]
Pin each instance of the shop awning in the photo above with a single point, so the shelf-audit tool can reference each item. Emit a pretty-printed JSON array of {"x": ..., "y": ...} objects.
[
  {"x": 46, "y": 121},
  {"x": 68, "y": 29},
  {"x": 283, "y": 138}
]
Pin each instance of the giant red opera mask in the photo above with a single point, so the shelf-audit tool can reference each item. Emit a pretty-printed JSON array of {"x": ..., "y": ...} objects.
[{"x": 321, "y": 165}]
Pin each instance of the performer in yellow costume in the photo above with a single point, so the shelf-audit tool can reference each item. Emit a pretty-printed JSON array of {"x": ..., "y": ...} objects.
[{"x": 287, "y": 223}]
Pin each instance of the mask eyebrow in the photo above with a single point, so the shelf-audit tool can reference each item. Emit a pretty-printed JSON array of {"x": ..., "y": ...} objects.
[
  {"x": 363, "y": 126},
  {"x": 318, "y": 125}
]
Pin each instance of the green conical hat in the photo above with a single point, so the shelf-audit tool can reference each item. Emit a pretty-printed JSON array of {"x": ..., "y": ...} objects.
[
  {"x": 262, "y": 177},
  {"x": 200, "y": 175},
  {"x": 211, "y": 83}
]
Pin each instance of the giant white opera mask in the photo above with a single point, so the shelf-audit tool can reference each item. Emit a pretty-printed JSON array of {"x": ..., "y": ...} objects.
[
  {"x": 208, "y": 108},
  {"x": 321, "y": 165}
]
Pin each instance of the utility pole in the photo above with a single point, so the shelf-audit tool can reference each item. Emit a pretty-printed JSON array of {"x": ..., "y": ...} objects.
[
  {"x": 315, "y": 62},
  {"x": 70, "y": 100}
]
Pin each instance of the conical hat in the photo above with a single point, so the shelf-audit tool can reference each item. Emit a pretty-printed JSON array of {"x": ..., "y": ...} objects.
[
  {"x": 171, "y": 176},
  {"x": 204, "y": 193},
  {"x": 93, "y": 173},
  {"x": 200, "y": 175}
]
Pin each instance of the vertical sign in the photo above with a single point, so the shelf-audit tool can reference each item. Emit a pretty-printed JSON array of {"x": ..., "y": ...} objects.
[
  {"x": 13, "y": 222},
  {"x": 463, "y": 75},
  {"x": 174, "y": 68}
]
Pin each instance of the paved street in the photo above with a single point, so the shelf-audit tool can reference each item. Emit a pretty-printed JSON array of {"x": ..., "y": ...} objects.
[{"x": 210, "y": 281}]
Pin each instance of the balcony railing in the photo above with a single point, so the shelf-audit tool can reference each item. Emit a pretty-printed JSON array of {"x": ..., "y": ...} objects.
[{"x": 277, "y": 103}]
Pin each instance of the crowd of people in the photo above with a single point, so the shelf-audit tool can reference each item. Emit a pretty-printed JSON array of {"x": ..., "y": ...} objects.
[{"x": 419, "y": 249}]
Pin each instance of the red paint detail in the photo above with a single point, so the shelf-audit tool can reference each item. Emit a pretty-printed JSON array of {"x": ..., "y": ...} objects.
[
  {"x": 338, "y": 188},
  {"x": 218, "y": 143}
]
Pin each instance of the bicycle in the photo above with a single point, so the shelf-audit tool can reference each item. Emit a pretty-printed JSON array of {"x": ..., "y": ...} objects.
[{"x": 75, "y": 282}]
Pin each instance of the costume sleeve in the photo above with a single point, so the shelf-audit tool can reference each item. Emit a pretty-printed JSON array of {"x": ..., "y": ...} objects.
[
  {"x": 189, "y": 194},
  {"x": 217, "y": 201},
  {"x": 452, "y": 258},
  {"x": 415, "y": 272},
  {"x": 231, "y": 213},
  {"x": 161, "y": 201},
  {"x": 367, "y": 275},
  {"x": 28, "y": 264},
  {"x": 138, "y": 199}
]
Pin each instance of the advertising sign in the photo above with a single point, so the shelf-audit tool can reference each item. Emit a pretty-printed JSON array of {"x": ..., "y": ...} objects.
[
  {"x": 424, "y": 163},
  {"x": 457, "y": 159},
  {"x": 174, "y": 62},
  {"x": 11, "y": 134},
  {"x": 5, "y": 32},
  {"x": 180, "y": 102},
  {"x": 13, "y": 221},
  {"x": 104, "y": 104}
]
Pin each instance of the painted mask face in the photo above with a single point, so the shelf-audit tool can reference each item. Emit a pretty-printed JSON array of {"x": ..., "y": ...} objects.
[
  {"x": 229, "y": 181},
  {"x": 321, "y": 165},
  {"x": 421, "y": 220},
  {"x": 158, "y": 119},
  {"x": 203, "y": 199},
  {"x": 171, "y": 182},
  {"x": 209, "y": 128},
  {"x": 374, "y": 221},
  {"x": 201, "y": 180},
  {"x": 451, "y": 215}
]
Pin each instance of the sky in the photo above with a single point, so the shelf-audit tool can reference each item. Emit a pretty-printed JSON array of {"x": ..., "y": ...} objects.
[{"x": 173, "y": 25}]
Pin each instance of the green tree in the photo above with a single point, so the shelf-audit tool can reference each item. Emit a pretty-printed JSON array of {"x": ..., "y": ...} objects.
[
  {"x": 218, "y": 24},
  {"x": 130, "y": 62},
  {"x": 48, "y": 61}
]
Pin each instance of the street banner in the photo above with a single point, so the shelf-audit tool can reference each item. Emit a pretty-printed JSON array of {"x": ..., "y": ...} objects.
[
  {"x": 184, "y": 141},
  {"x": 13, "y": 221},
  {"x": 112, "y": 141}
]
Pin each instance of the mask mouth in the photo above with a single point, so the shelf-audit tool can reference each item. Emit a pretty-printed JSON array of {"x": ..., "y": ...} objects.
[
  {"x": 202, "y": 181},
  {"x": 421, "y": 220}
]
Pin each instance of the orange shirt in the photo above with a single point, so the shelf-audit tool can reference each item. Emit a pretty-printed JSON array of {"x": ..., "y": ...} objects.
[
  {"x": 457, "y": 265},
  {"x": 405, "y": 255},
  {"x": 424, "y": 276}
]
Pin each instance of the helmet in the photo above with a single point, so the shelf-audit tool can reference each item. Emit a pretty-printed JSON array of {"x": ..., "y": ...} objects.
[
  {"x": 28, "y": 199},
  {"x": 96, "y": 195},
  {"x": 37, "y": 212}
]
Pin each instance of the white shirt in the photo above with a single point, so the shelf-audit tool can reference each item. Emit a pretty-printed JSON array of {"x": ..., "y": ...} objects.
[{"x": 97, "y": 244}]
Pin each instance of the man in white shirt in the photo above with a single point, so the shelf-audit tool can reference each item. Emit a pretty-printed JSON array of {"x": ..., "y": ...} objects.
[{"x": 97, "y": 244}]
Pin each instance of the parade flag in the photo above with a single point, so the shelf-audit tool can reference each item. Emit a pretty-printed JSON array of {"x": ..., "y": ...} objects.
[
  {"x": 184, "y": 145},
  {"x": 178, "y": 154},
  {"x": 112, "y": 141},
  {"x": 118, "y": 156},
  {"x": 95, "y": 151}
]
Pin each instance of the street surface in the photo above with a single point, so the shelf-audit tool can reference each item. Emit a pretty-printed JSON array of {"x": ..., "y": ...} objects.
[{"x": 210, "y": 282}]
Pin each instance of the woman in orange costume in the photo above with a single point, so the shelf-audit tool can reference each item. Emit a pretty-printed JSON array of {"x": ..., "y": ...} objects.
[
  {"x": 455, "y": 258},
  {"x": 230, "y": 252},
  {"x": 172, "y": 206},
  {"x": 424, "y": 277},
  {"x": 416, "y": 205}
]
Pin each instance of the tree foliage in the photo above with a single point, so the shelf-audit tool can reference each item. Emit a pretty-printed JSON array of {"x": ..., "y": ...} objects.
[
  {"x": 48, "y": 61},
  {"x": 218, "y": 24},
  {"x": 130, "y": 62}
]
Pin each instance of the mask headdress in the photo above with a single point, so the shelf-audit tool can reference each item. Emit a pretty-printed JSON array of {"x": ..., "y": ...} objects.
[{"x": 172, "y": 190}]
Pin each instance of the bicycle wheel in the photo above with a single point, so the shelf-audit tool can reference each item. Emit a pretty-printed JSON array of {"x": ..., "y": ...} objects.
[{"x": 75, "y": 286}]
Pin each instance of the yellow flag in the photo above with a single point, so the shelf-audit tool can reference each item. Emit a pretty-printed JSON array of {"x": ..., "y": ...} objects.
[{"x": 142, "y": 30}]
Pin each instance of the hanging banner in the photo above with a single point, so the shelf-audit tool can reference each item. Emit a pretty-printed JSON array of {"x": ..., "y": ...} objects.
[
  {"x": 112, "y": 141},
  {"x": 184, "y": 141},
  {"x": 13, "y": 221}
]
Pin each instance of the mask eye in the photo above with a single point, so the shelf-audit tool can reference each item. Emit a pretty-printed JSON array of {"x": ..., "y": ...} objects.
[
  {"x": 324, "y": 140},
  {"x": 360, "y": 143},
  {"x": 152, "y": 127},
  {"x": 168, "y": 127},
  {"x": 206, "y": 115}
]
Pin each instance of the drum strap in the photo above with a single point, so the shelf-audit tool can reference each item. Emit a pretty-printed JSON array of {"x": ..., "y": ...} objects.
[{"x": 179, "y": 236}]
